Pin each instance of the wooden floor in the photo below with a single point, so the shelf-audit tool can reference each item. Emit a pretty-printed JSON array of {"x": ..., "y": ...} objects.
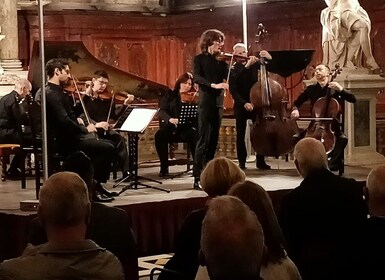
[{"x": 283, "y": 175}]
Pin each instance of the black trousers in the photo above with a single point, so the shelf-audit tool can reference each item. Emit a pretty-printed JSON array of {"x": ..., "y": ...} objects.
[
  {"x": 120, "y": 145},
  {"x": 170, "y": 134},
  {"x": 101, "y": 153},
  {"x": 209, "y": 123}
]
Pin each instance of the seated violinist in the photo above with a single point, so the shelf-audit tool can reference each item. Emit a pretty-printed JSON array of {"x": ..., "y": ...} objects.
[
  {"x": 102, "y": 110},
  {"x": 170, "y": 130},
  {"x": 313, "y": 93}
]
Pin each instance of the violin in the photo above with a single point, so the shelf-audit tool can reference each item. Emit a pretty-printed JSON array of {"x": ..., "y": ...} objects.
[
  {"x": 189, "y": 97},
  {"x": 225, "y": 56}
]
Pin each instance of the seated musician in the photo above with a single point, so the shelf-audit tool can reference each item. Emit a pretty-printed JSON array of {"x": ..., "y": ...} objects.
[
  {"x": 9, "y": 133},
  {"x": 170, "y": 130},
  {"x": 321, "y": 89},
  {"x": 102, "y": 110},
  {"x": 65, "y": 129}
]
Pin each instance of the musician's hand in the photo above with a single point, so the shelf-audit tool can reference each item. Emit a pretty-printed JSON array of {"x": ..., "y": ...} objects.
[
  {"x": 91, "y": 128},
  {"x": 295, "y": 114},
  {"x": 103, "y": 125},
  {"x": 252, "y": 60},
  {"x": 265, "y": 54},
  {"x": 173, "y": 121},
  {"x": 335, "y": 86},
  {"x": 80, "y": 121},
  {"x": 220, "y": 86},
  {"x": 129, "y": 99},
  {"x": 249, "y": 107},
  {"x": 88, "y": 88}
]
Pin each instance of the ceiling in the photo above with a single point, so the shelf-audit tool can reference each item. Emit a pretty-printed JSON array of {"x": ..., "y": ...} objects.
[{"x": 141, "y": 6}]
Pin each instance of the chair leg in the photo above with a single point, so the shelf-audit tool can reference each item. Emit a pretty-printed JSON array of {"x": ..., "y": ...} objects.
[
  {"x": 3, "y": 162},
  {"x": 22, "y": 169}
]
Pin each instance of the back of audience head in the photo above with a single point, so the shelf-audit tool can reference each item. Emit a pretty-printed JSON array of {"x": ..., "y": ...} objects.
[
  {"x": 80, "y": 163},
  {"x": 257, "y": 199},
  {"x": 376, "y": 187},
  {"x": 231, "y": 241},
  {"x": 310, "y": 155},
  {"x": 64, "y": 201},
  {"x": 219, "y": 175}
]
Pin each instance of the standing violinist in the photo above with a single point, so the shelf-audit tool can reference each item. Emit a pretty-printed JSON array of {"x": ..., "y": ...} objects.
[
  {"x": 244, "y": 74},
  {"x": 170, "y": 130},
  {"x": 102, "y": 110},
  {"x": 209, "y": 74},
  {"x": 313, "y": 93},
  {"x": 66, "y": 131}
]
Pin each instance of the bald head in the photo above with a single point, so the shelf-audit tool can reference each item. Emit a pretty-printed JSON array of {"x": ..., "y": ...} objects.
[
  {"x": 64, "y": 201},
  {"x": 310, "y": 155},
  {"x": 23, "y": 87},
  {"x": 376, "y": 187},
  {"x": 232, "y": 240}
]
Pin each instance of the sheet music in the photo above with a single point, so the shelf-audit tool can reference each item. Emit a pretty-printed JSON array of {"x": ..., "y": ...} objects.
[{"x": 138, "y": 120}]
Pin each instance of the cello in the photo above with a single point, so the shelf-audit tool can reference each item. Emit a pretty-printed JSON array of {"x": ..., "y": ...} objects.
[
  {"x": 325, "y": 111},
  {"x": 272, "y": 131}
]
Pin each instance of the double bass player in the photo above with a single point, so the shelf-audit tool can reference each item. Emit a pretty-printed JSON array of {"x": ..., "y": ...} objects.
[
  {"x": 320, "y": 89},
  {"x": 244, "y": 74}
]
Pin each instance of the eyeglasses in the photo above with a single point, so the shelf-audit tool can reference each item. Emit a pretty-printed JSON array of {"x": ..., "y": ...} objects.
[{"x": 103, "y": 82}]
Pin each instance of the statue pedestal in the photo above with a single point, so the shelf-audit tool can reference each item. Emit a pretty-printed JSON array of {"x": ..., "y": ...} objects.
[{"x": 360, "y": 118}]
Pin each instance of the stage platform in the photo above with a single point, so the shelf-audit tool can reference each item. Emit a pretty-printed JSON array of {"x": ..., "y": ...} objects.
[{"x": 155, "y": 216}]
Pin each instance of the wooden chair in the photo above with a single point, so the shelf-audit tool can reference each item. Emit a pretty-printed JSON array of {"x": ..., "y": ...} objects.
[{"x": 6, "y": 150}]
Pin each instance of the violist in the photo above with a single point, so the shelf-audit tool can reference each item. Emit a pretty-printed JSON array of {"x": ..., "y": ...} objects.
[
  {"x": 320, "y": 89},
  {"x": 103, "y": 111}
]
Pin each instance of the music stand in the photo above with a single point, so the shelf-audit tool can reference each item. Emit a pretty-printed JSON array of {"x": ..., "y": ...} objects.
[
  {"x": 188, "y": 116},
  {"x": 135, "y": 124}
]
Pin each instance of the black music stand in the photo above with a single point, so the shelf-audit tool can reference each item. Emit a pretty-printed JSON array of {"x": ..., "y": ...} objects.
[
  {"x": 135, "y": 124},
  {"x": 188, "y": 116}
]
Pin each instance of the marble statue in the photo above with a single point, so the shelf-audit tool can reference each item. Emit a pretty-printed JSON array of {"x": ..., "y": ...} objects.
[{"x": 346, "y": 35}]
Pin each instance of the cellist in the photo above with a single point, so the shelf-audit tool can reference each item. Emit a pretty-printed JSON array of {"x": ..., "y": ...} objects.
[
  {"x": 244, "y": 74},
  {"x": 320, "y": 89}
]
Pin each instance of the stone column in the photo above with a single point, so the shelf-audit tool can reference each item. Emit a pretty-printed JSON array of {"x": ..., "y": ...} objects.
[
  {"x": 9, "y": 46},
  {"x": 360, "y": 118}
]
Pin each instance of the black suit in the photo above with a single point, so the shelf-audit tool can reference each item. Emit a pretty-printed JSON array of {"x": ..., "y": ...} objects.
[
  {"x": 313, "y": 93},
  {"x": 169, "y": 107},
  {"x": 69, "y": 136},
  {"x": 109, "y": 227},
  {"x": 322, "y": 220},
  {"x": 208, "y": 70}
]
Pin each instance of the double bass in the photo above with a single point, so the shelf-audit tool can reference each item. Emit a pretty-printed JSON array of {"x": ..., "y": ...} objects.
[{"x": 272, "y": 132}]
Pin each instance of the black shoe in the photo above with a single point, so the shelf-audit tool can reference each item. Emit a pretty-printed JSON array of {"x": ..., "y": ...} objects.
[
  {"x": 334, "y": 167},
  {"x": 14, "y": 174},
  {"x": 263, "y": 166},
  {"x": 97, "y": 197},
  {"x": 163, "y": 173},
  {"x": 99, "y": 188},
  {"x": 197, "y": 185},
  {"x": 242, "y": 166}
]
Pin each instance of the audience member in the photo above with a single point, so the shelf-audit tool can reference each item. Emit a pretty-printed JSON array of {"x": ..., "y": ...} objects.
[
  {"x": 276, "y": 265},
  {"x": 109, "y": 227},
  {"x": 323, "y": 217},
  {"x": 9, "y": 133},
  {"x": 232, "y": 240},
  {"x": 64, "y": 210},
  {"x": 374, "y": 243},
  {"x": 216, "y": 179}
]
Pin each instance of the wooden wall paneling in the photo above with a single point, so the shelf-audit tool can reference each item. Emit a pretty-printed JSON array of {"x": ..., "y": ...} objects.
[{"x": 137, "y": 57}]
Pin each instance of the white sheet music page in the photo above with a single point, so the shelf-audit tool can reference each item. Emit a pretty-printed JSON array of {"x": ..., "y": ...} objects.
[{"x": 138, "y": 120}]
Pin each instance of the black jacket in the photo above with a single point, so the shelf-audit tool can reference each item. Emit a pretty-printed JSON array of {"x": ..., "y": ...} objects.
[{"x": 9, "y": 133}]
